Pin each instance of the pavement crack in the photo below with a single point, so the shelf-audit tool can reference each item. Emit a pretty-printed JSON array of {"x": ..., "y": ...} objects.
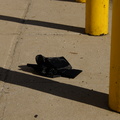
[
  {"x": 3, "y": 112},
  {"x": 4, "y": 73},
  {"x": 26, "y": 11},
  {"x": 3, "y": 107},
  {"x": 16, "y": 39}
]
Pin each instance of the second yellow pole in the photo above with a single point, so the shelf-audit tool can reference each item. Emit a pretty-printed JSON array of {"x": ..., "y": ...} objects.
[
  {"x": 97, "y": 17},
  {"x": 114, "y": 91}
]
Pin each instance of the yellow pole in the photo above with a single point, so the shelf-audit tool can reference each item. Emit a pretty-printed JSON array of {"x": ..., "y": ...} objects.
[
  {"x": 81, "y": 1},
  {"x": 114, "y": 89},
  {"x": 97, "y": 17}
]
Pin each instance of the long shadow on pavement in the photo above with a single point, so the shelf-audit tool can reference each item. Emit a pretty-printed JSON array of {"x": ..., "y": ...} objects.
[
  {"x": 43, "y": 24},
  {"x": 60, "y": 89}
]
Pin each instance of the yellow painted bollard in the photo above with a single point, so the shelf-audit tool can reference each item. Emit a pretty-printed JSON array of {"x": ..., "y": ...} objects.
[
  {"x": 97, "y": 17},
  {"x": 114, "y": 89},
  {"x": 81, "y": 1}
]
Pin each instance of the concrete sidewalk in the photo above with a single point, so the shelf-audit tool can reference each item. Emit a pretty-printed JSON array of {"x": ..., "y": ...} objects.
[{"x": 52, "y": 28}]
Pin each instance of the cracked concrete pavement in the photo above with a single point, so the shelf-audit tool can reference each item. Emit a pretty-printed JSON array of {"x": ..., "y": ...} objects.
[{"x": 52, "y": 28}]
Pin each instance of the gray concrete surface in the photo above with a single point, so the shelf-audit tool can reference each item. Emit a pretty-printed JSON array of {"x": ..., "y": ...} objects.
[{"x": 52, "y": 28}]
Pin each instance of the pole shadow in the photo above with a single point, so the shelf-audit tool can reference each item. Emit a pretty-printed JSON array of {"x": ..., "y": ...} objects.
[
  {"x": 75, "y": 93},
  {"x": 44, "y": 24}
]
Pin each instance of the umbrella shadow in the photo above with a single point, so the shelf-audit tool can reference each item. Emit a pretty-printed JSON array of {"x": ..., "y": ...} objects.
[{"x": 68, "y": 73}]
